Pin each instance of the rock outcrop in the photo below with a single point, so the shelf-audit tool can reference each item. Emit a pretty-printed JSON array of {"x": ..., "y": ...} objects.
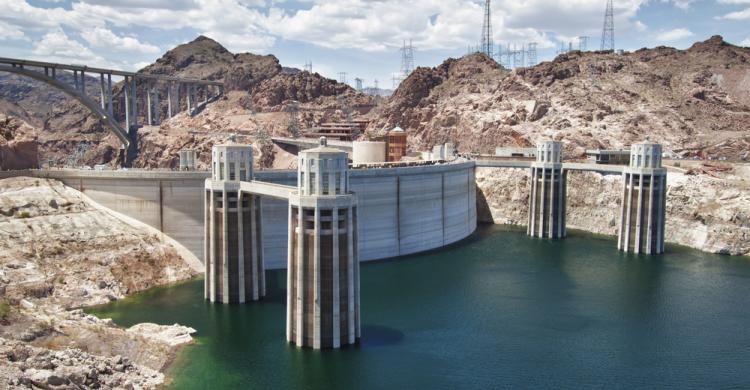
[
  {"x": 59, "y": 251},
  {"x": 696, "y": 102}
]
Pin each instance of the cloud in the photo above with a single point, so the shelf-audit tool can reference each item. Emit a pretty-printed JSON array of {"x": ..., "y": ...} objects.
[
  {"x": 745, "y": 43},
  {"x": 10, "y": 33},
  {"x": 674, "y": 35},
  {"x": 101, "y": 37},
  {"x": 442, "y": 24},
  {"x": 56, "y": 46}
]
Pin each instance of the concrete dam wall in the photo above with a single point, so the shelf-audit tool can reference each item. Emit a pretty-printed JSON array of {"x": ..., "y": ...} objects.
[{"x": 401, "y": 210}]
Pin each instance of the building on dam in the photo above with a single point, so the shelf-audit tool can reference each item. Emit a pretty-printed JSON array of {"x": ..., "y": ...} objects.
[
  {"x": 323, "y": 265},
  {"x": 547, "y": 195},
  {"x": 642, "y": 215},
  {"x": 233, "y": 252}
]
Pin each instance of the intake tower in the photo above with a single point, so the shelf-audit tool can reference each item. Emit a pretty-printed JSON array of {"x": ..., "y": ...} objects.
[
  {"x": 548, "y": 187},
  {"x": 233, "y": 252},
  {"x": 643, "y": 213},
  {"x": 323, "y": 265}
]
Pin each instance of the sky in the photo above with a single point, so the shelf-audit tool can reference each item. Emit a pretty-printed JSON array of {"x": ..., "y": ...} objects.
[{"x": 359, "y": 37}]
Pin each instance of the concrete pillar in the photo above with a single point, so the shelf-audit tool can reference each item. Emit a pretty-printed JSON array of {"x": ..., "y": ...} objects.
[
  {"x": 642, "y": 214},
  {"x": 83, "y": 83},
  {"x": 169, "y": 99},
  {"x": 149, "y": 105},
  {"x": 319, "y": 241},
  {"x": 546, "y": 217},
  {"x": 110, "y": 109},
  {"x": 134, "y": 101},
  {"x": 189, "y": 98},
  {"x": 126, "y": 90},
  {"x": 75, "y": 79},
  {"x": 235, "y": 272},
  {"x": 103, "y": 95},
  {"x": 157, "y": 108}
]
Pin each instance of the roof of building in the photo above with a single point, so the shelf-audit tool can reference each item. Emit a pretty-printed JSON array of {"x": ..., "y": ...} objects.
[
  {"x": 323, "y": 148},
  {"x": 397, "y": 129}
]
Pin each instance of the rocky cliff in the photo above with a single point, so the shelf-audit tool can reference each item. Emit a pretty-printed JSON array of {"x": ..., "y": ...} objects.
[
  {"x": 695, "y": 101},
  {"x": 60, "y": 251}
]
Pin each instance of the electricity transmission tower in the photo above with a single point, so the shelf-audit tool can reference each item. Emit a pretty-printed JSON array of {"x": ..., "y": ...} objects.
[
  {"x": 583, "y": 42},
  {"x": 486, "y": 42},
  {"x": 358, "y": 82},
  {"x": 342, "y": 77},
  {"x": 292, "y": 119},
  {"x": 608, "y": 32},
  {"x": 308, "y": 66},
  {"x": 531, "y": 54},
  {"x": 407, "y": 59}
]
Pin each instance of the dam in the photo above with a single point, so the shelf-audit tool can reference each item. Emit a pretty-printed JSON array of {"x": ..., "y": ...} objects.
[{"x": 406, "y": 209}]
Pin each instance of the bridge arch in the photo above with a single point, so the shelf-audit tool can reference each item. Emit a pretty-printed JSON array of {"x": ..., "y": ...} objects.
[{"x": 93, "y": 106}]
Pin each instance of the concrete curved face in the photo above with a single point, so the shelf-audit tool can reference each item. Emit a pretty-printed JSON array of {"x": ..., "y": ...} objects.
[
  {"x": 401, "y": 211},
  {"x": 113, "y": 126}
]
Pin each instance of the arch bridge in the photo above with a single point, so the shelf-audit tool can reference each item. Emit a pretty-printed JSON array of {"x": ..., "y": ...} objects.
[{"x": 190, "y": 89}]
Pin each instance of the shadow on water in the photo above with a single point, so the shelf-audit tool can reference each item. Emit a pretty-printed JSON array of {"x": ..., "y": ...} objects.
[{"x": 378, "y": 336}]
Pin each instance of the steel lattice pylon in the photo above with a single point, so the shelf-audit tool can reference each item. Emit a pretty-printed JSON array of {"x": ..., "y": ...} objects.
[
  {"x": 488, "y": 46},
  {"x": 608, "y": 32}
]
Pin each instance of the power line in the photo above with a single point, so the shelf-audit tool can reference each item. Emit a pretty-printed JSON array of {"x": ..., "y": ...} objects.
[{"x": 608, "y": 32}]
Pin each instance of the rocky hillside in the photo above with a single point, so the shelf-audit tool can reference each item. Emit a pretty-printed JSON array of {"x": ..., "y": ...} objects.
[
  {"x": 260, "y": 85},
  {"x": 695, "y": 101},
  {"x": 60, "y": 251}
]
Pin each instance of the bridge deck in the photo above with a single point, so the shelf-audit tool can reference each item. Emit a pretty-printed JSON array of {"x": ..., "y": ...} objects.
[{"x": 599, "y": 168}]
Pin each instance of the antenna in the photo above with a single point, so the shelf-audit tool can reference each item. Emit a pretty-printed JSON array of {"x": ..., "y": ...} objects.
[
  {"x": 608, "y": 32},
  {"x": 487, "y": 45}
]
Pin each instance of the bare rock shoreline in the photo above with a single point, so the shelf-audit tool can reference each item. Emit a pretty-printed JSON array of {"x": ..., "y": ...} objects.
[{"x": 60, "y": 251}]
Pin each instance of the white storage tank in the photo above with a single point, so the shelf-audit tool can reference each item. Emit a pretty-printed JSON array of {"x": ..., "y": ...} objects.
[{"x": 367, "y": 152}]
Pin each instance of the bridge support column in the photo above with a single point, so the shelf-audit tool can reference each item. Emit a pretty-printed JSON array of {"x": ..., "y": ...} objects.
[
  {"x": 323, "y": 264},
  {"x": 169, "y": 99},
  {"x": 548, "y": 189},
  {"x": 233, "y": 252},
  {"x": 134, "y": 101},
  {"x": 110, "y": 109},
  {"x": 189, "y": 98},
  {"x": 83, "y": 83},
  {"x": 157, "y": 108},
  {"x": 643, "y": 208},
  {"x": 149, "y": 106},
  {"x": 126, "y": 90},
  {"x": 102, "y": 93}
]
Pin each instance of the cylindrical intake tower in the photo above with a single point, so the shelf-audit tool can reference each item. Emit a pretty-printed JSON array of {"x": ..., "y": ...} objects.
[
  {"x": 548, "y": 187},
  {"x": 233, "y": 252},
  {"x": 323, "y": 264},
  {"x": 644, "y": 189}
]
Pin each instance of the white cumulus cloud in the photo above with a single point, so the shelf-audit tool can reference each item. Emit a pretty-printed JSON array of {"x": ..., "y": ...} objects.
[
  {"x": 674, "y": 35},
  {"x": 101, "y": 37}
]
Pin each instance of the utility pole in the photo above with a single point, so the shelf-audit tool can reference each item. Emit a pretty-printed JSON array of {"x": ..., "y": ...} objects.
[{"x": 608, "y": 32}]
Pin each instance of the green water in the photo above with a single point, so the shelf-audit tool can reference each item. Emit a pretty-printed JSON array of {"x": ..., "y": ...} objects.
[{"x": 499, "y": 310}]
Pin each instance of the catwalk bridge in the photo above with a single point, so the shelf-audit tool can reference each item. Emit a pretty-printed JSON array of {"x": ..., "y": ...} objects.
[{"x": 150, "y": 84}]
